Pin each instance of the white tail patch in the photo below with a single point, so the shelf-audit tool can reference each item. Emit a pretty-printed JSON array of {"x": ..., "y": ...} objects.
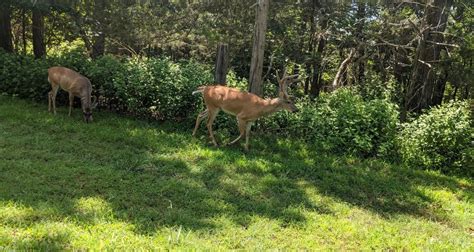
[{"x": 199, "y": 90}]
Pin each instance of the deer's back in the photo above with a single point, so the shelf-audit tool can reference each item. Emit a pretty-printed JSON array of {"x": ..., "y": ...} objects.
[
  {"x": 229, "y": 99},
  {"x": 68, "y": 79}
]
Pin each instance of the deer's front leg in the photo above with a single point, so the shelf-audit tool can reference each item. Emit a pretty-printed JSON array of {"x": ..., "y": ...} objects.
[
  {"x": 247, "y": 135},
  {"x": 199, "y": 119},
  {"x": 242, "y": 126},
  {"x": 71, "y": 101},
  {"x": 53, "y": 93}
]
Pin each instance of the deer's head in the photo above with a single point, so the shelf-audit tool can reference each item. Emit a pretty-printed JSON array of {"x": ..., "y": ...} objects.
[
  {"x": 283, "y": 82},
  {"x": 87, "y": 112}
]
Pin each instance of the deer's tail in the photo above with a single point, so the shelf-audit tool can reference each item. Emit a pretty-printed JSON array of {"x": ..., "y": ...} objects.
[{"x": 199, "y": 90}]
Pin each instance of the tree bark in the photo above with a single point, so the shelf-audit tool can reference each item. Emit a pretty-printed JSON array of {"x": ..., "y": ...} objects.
[
  {"x": 39, "y": 47},
  {"x": 342, "y": 69},
  {"x": 258, "y": 49},
  {"x": 5, "y": 27},
  {"x": 23, "y": 29},
  {"x": 222, "y": 62},
  {"x": 360, "y": 58},
  {"x": 310, "y": 18},
  {"x": 98, "y": 46},
  {"x": 317, "y": 82},
  {"x": 424, "y": 88}
]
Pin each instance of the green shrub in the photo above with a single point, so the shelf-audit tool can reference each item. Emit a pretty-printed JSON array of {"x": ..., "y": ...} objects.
[
  {"x": 23, "y": 76},
  {"x": 440, "y": 139},
  {"x": 341, "y": 122},
  {"x": 146, "y": 87}
]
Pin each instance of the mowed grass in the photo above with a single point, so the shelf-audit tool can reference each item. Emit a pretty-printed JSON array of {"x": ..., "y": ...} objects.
[{"x": 124, "y": 184}]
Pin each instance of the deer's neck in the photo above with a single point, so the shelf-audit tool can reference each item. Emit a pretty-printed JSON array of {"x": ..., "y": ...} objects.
[
  {"x": 86, "y": 101},
  {"x": 271, "y": 106}
]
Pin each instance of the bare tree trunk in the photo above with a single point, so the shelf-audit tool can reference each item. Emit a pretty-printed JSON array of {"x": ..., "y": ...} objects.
[
  {"x": 342, "y": 70},
  {"x": 222, "y": 62},
  {"x": 258, "y": 49},
  {"x": 360, "y": 58},
  {"x": 5, "y": 27},
  {"x": 316, "y": 83},
  {"x": 424, "y": 88},
  {"x": 310, "y": 18},
  {"x": 98, "y": 46},
  {"x": 39, "y": 47},
  {"x": 23, "y": 29}
]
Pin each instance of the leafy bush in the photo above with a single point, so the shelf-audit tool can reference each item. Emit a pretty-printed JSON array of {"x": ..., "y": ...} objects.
[
  {"x": 341, "y": 122},
  {"x": 145, "y": 87},
  {"x": 440, "y": 139}
]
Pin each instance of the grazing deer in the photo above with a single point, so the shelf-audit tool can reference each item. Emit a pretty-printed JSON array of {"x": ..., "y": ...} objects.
[
  {"x": 76, "y": 85},
  {"x": 247, "y": 107}
]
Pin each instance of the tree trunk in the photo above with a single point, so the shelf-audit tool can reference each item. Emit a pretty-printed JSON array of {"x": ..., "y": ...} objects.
[
  {"x": 424, "y": 87},
  {"x": 360, "y": 58},
  {"x": 98, "y": 46},
  {"x": 256, "y": 65},
  {"x": 23, "y": 29},
  {"x": 5, "y": 27},
  {"x": 310, "y": 18},
  {"x": 222, "y": 62},
  {"x": 39, "y": 47},
  {"x": 342, "y": 70},
  {"x": 317, "y": 82}
]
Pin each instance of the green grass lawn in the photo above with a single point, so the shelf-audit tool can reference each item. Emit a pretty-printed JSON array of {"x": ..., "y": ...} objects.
[{"x": 122, "y": 184}]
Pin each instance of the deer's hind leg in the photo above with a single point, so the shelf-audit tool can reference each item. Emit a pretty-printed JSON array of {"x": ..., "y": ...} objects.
[
  {"x": 247, "y": 135},
  {"x": 199, "y": 119},
  {"x": 210, "y": 119},
  {"x": 71, "y": 101}
]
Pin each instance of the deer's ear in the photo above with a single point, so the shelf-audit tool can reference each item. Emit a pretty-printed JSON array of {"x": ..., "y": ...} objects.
[{"x": 94, "y": 103}]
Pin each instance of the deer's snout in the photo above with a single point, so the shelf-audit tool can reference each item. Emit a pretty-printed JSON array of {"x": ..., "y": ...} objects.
[
  {"x": 87, "y": 117},
  {"x": 294, "y": 109}
]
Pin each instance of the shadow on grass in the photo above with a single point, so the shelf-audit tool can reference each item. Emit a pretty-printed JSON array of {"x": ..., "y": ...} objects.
[
  {"x": 137, "y": 169},
  {"x": 377, "y": 186},
  {"x": 132, "y": 166}
]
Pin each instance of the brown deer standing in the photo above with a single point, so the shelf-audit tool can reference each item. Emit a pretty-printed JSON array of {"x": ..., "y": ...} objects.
[
  {"x": 247, "y": 107},
  {"x": 73, "y": 83}
]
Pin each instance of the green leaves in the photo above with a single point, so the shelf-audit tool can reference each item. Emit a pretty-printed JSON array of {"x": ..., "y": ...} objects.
[
  {"x": 440, "y": 139},
  {"x": 145, "y": 87},
  {"x": 341, "y": 122}
]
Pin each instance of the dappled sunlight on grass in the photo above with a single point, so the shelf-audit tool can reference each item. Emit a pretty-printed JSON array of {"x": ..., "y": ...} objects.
[
  {"x": 93, "y": 208},
  {"x": 125, "y": 184}
]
